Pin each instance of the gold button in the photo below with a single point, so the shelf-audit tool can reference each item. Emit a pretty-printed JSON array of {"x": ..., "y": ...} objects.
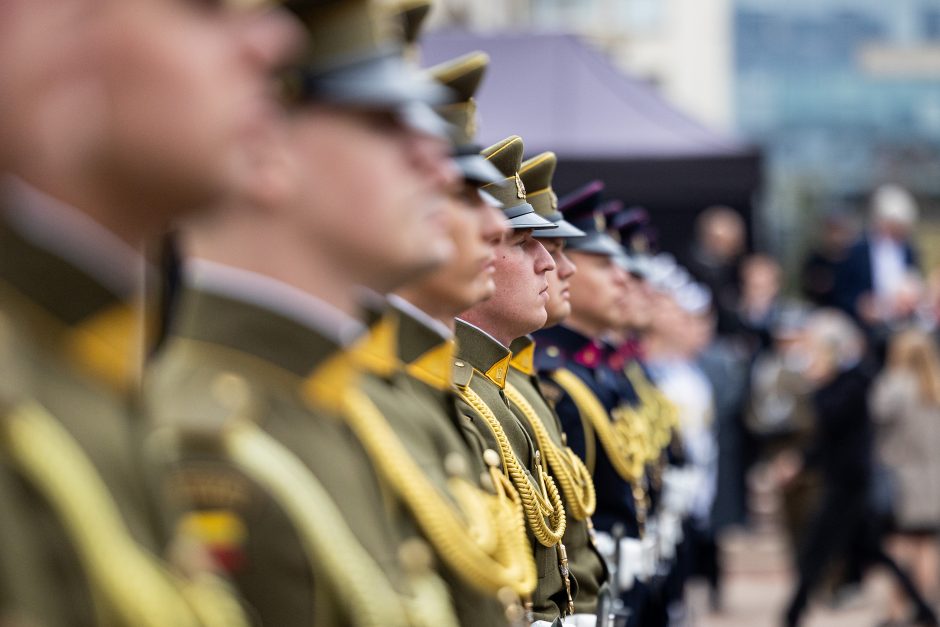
[
  {"x": 491, "y": 458},
  {"x": 552, "y": 351},
  {"x": 230, "y": 390},
  {"x": 455, "y": 465},
  {"x": 415, "y": 556}
]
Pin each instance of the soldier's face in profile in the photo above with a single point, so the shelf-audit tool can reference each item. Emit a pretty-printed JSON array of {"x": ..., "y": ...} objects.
[
  {"x": 521, "y": 293},
  {"x": 638, "y": 310},
  {"x": 598, "y": 290},
  {"x": 41, "y": 46},
  {"x": 476, "y": 229},
  {"x": 374, "y": 193},
  {"x": 559, "y": 286},
  {"x": 189, "y": 95}
]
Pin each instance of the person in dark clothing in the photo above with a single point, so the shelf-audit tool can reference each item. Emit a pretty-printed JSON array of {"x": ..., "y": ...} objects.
[
  {"x": 818, "y": 275},
  {"x": 842, "y": 452},
  {"x": 714, "y": 259}
]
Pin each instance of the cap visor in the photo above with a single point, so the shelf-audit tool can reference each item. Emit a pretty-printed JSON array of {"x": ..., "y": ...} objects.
[
  {"x": 565, "y": 229},
  {"x": 477, "y": 169},
  {"x": 532, "y": 221},
  {"x": 419, "y": 116},
  {"x": 381, "y": 81},
  {"x": 597, "y": 244}
]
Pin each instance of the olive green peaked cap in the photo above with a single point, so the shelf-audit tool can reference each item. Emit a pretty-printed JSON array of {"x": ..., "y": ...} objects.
[
  {"x": 413, "y": 14},
  {"x": 510, "y": 191},
  {"x": 354, "y": 56},
  {"x": 463, "y": 76},
  {"x": 536, "y": 174}
]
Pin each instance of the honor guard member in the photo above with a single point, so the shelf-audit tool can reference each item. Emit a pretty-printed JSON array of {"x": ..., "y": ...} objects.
[
  {"x": 139, "y": 113},
  {"x": 415, "y": 437},
  {"x": 523, "y": 391},
  {"x": 257, "y": 391},
  {"x": 484, "y": 333},
  {"x": 573, "y": 362},
  {"x": 653, "y": 415}
]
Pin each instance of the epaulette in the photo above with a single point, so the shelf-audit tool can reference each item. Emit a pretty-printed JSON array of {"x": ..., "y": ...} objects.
[
  {"x": 548, "y": 357},
  {"x": 462, "y": 373}
]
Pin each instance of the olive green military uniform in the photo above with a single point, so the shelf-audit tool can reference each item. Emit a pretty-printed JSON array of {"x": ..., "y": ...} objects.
[
  {"x": 415, "y": 401},
  {"x": 71, "y": 452},
  {"x": 253, "y": 399},
  {"x": 481, "y": 366},
  {"x": 584, "y": 562}
]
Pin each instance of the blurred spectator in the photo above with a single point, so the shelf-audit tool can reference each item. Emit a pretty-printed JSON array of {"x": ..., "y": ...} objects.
[
  {"x": 818, "y": 278},
  {"x": 759, "y": 304},
  {"x": 681, "y": 329},
  {"x": 780, "y": 416},
  {"x": 842, "y": 450},
  {"x": 905, "y": 404},
  {"x": 867, "y": 281},
  {"x": 714, "y": 257}
]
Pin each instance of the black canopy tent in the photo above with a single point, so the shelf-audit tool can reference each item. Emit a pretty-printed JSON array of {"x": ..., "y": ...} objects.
[{"x": 559, "y": 94}]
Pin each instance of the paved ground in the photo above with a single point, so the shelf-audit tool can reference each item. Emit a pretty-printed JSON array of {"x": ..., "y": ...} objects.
[{"x": 759, "y": 581}]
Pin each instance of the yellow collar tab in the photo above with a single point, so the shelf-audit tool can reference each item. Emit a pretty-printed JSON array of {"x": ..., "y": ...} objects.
[
  {"x": 377, "y": 351},
  {"x": 326, "y": 386},
  {"x": 523, "y": 356},
  {"x": 105, "y": 345},
  {"x": 435, "y": 366},
  {"x": 497, "y": 373}
]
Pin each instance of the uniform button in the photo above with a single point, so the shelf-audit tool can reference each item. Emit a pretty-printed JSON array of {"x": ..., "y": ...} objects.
[
  {"x": 491, "y": 458},
  {"x": 415, "y": 556},
  {"x": 552, "y": 351},
  {"x": 455, "y": 465},
  {"x": 230, "y": 390}
]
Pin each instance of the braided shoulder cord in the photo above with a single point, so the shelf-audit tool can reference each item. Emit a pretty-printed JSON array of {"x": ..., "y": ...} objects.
[
  {"x": 537, "y": 503},
  {"x": 619, "y": 449},
  {"x": 573, "y": 477},
  {"x": 353, "y": 575},
  {"x": 134, "y": 585},
  {"x": 492, "y": 552}
]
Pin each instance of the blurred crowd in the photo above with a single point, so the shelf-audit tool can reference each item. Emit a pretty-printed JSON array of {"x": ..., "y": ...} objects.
[{"x": 828, "y": 394}]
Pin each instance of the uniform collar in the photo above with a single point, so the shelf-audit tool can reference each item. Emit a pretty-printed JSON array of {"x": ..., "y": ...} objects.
[
  {"x": 523, "y": 354},
  {"x": 270, "y": 294},
  {"x": 483, "y": 352},
  {"x": 70, "y": 234},
  {"x": 427, "y": 354},
  {"x": 252, "y": 329},
  {"x": 574, "y": 346},
  {"x": 377, "y": 350},
  {"x": 94, "y": 326}
]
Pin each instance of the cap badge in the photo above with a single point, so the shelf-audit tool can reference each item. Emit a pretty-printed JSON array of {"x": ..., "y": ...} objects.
[
  {"x": 599, "y": 222},
  {"x": 520, "y": 188},
  {"x": 470, "y": 126}
]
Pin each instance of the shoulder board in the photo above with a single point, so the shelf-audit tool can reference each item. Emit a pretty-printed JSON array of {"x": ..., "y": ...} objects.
[{"x": 462, "y": 373}]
